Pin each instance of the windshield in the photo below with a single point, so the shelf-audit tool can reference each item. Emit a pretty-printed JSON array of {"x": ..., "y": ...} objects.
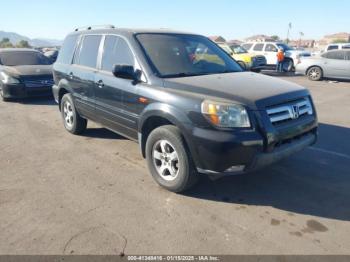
[
  {"x": 18, "y": 58},
  {"x": 226, "y": 48},
  {"x": 284, "y": 46},
  {"x": 177, "y": 55},
  {"x": 237, "y": 49}
]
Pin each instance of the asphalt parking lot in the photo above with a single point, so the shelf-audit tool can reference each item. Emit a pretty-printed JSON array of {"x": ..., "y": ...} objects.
[{"x": 92, "y": 194}]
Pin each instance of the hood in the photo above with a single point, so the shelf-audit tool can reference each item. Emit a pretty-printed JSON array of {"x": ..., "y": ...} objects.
[
  {"x": 28, "y": 70},
  {"x": 245, "y": 57},
  {"x": 251, "y": 89}
]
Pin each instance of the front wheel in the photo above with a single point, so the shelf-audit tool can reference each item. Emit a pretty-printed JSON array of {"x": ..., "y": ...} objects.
[
  {"x": 315, "y": 73},
  {"x": 243, "y": 65},
  {"x": 169, "y": 160},
  {"x": 288, "y": 65},
  {"x": 73, "y": 122},
  {"x": 3, "y": 98}
]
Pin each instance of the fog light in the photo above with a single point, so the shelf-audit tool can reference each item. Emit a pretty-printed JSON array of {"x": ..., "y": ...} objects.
[{"x": 234, "y": 169}]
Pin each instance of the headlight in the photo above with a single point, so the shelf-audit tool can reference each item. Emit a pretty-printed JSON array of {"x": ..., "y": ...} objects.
[
  {"x": 7, "y": 79},
  {"x": 225, "y": 115}
]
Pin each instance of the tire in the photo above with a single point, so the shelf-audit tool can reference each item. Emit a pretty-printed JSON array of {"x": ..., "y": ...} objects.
[
  {"x": 4, "y": 99},
  {"x": 73, "y": 122},
  {"x": 288, "y": 65},
  {"x": 169, "y": 159},
  {"x": 314, "y": 73},
  {"x": 243, "y": 65}
]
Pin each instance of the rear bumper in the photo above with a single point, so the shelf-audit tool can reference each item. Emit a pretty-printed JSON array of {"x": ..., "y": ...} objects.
[{"x": 21, "y": 91}]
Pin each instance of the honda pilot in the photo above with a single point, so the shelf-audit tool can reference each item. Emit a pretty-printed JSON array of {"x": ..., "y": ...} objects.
[{"x": 185, "y": 101}]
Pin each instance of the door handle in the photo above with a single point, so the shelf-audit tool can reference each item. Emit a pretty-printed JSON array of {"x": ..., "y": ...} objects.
[
  {"x": 71, "y": 75},
  {"x": 100, "y": 84}
]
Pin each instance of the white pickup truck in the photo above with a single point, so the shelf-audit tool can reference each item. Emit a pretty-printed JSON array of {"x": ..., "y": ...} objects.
[{"x": 269, "y": 50}]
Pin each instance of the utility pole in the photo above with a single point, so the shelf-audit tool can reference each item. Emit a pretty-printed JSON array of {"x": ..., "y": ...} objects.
[
  {"x": 301, "y": 34},
  {"x": 289, "y": 27}
]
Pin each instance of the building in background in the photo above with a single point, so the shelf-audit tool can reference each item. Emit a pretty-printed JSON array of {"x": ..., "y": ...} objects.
[
  {"x": 217, "y": 38},
  {"x": 260, "y": 38}
]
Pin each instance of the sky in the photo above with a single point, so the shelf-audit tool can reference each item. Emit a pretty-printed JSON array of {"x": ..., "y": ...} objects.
[{"x": 232, "y": 19}]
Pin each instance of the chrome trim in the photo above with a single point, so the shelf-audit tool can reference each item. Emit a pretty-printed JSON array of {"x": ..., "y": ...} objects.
[{"x": 290, "y": 111}]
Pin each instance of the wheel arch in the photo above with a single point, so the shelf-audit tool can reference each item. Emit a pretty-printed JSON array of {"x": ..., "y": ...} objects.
[
  {"x": 159, "y": 114},
  {"x": 307, "y": 69},
  {"x": 63, "y": 88}
]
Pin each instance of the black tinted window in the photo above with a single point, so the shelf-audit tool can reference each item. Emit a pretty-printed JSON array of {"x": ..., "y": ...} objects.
[
  {"x": 332, "y": 47},
  {"x": 116, "y": 51},
  {"x": 23, "y": 58},
  {"x": 258, "y": 47},
  {"x": 339, "y": 55},
  {"x": 66, "y": 53},
  {"x": 88, "y": 51}
]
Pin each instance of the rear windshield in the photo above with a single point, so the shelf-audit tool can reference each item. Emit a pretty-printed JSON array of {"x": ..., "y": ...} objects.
[
  {"x": 180, "y": 55},
  {"x": 23, "y": 58}
]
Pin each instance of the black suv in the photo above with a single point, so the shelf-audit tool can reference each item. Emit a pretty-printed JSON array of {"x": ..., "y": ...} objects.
[{"x": 185, "y": 100}]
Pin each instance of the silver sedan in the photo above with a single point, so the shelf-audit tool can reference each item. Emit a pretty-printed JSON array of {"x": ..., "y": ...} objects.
[{"x": 332, "y": 64}]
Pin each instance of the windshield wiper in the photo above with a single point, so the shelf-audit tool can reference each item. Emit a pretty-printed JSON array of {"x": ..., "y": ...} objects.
[{"x": 182, "y": 75}]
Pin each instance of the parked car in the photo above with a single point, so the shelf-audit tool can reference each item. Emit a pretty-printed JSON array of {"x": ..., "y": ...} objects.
[
  {"x": 331, "y": 64},
  {"x": 23, "y": 73},
  {"x": 269, "y": 50},
  {"x": 52, "y": 55},
  {"x": 337, "y": 46},
  {"x": 244, "y": 59},
  {"x": 190, "y": 113}
]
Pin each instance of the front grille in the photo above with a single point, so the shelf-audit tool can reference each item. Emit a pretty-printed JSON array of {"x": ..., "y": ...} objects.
[
  {"x": 290, "y": 111},
  {"x": 259, "y": 60},
  {"x": 38, "y": 82}
]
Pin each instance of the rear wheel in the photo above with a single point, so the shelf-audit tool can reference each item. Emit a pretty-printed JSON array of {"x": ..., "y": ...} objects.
[
  {"x": 169, "y": 160},
  {"x": 315, "y": 73},
  {"x": 73, "y": 122}
]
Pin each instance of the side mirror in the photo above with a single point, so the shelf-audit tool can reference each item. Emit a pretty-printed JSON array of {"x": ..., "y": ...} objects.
[{"x": 127, "y": 72}]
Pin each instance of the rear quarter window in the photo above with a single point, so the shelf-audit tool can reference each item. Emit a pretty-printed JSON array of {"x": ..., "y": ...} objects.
[{"x": 66, "y": 53}]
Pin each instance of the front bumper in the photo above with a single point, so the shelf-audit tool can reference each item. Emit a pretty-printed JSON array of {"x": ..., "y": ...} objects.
[
  {"x": 21, "y": 91},
  {"x": 227, "y": 153}
]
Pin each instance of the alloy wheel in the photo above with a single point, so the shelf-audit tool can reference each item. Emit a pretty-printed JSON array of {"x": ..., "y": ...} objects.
[
  {"x": 314, "y": 73},
  {"x": 68, "y": 114},
  {"x": 165, "y": 160}
]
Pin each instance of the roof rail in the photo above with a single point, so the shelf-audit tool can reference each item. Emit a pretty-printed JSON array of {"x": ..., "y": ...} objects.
[{"x": 94, "y": 27}]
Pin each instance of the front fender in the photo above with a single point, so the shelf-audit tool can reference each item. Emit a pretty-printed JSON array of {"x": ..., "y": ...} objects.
[{"x": 173, "y": 115}]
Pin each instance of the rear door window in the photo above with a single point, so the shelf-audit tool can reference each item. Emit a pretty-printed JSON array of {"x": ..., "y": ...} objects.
[
  {"x": 270, "y": 48},
  {"x": 116, "y": 52},
  {"x": 258, "y": 47},
  {"x": 88, "y": 51}
]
